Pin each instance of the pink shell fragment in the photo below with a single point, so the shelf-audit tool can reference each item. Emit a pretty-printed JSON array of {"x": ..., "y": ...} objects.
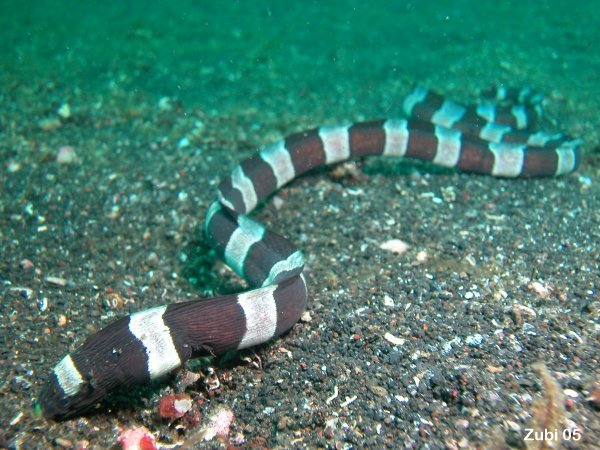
[{"x": 137, "y": 439}]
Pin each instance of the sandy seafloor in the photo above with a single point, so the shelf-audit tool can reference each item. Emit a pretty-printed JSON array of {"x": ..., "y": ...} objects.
[{"x": 160, "y": 101}]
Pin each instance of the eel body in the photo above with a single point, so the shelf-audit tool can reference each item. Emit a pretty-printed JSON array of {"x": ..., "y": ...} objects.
[{"x": 486, "y": 139}]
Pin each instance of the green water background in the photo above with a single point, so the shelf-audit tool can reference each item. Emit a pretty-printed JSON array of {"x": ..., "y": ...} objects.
[{"x": 337, "y": 56}]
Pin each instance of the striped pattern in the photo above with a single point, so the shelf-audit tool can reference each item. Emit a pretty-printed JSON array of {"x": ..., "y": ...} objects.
[
  {"x": 152, "y": 333},
  {"x": 150, "y": 344},
  {"x": 260, "y": 311},
  {"x": 68, "y": 376}
]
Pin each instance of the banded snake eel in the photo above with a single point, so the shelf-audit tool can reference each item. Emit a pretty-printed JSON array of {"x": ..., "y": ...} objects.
[{"x": 485, "y": 139}]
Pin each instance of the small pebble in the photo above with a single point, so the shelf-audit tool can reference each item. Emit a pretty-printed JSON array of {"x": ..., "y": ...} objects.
[
  {"x": 571, "y": 393},
  {"x": 49, "y": 124},
  {"x": 165, "y": 104},
  {"x": 539, "y": 289},
  {"x": 422, "y": 256},
  {"x": 522, "y": 309},
  {"x": 306, "y": 317},
  {"x": 64, "y": 443},
  {"x": 379, "y": 391},
  {"x": 513, "y": 426},
  {"x": 66, "y": 155},
  {"x": 282, "y": 424},
  {"x": 43, "y": 304},
  {"x": 463, "y": 424},
  {"x": 13, "y": 166},
  {"x": 395, "y": 246},
  {"x": 15, "y": 420},
  {"x": 277, "y": 202},
  {"x": 219, "y": 423},
  {"x": 183, "y": 405},
  {"x": 586, "y": 182},
  {"x": 26, "y": 264},
  {"x": 64, "y": 111},
  {"x": 183, "y": 142},
  {"x": 56, "y": 281},
  {"x": 493, "y": 369},
  {"x": 137, "y": 439},
  {"x": 388, "y": 301},
  {"x": 348, "y": 401},
  {"x": 174, "y": 406},
  {"x": 449, "y": 194},
  {"x": 393, "y": 339},
  {"x": 187, "y": 379},
  {"x": 474, "y": 340}
]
